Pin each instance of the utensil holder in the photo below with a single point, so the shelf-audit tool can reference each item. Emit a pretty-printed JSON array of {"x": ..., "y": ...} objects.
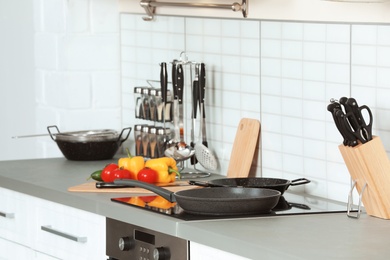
[{"x": 369, "y": 168}]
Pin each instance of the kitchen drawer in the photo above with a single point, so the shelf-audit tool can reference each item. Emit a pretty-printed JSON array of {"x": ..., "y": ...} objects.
[
  {"x": 68, "y": 233},
  {"x": 10, "y": 250},
  {"x": 14, "y": 216}
]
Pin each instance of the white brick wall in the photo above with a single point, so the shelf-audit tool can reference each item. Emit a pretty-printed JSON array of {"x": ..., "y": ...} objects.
[{"x": 77, "y": 65}]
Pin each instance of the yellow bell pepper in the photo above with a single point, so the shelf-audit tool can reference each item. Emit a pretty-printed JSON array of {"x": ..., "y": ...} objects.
[
  {"x": 132, "y": 163},
  {"x": 165, "y": 167}
]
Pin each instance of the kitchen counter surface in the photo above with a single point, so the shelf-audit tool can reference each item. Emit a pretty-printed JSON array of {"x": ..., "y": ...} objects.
[{"x": 324, "y": 236}]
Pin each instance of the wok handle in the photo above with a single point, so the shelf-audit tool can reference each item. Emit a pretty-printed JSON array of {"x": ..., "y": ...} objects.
[
  {"x": 120, "y": 139},
  {"x": 166, "y": 194},
  {"x": 51, "y": 135},
  {"x": 299, "y": 181}
]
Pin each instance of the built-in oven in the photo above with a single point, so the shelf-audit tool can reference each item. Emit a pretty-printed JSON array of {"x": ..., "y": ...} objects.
[{"x": 129, "y": 242}]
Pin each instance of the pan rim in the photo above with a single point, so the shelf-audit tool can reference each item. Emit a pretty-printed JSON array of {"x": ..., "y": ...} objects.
[
  {"x": 271, "y": 194},
  {"x": 264, "y": 186}
]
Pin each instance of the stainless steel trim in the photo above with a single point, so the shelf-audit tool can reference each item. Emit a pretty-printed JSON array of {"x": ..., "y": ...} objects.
[
  {"x": 63, "y": 234},
  {"x": 150, "y": 7},
  {"x": 7, "y": 215}
]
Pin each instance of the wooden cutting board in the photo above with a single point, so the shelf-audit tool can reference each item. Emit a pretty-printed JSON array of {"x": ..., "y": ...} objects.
[
  {"x": 243, "y": 148},
  {"x": 90, "y": 187}
]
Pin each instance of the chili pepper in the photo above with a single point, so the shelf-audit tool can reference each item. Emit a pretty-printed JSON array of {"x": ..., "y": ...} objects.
[
  {"x": 165, "y": 167},
  {"x": 161, "y": 203},
  {"x": 132, "y": 163}
]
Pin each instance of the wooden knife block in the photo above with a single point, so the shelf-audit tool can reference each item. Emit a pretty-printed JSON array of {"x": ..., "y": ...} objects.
[{"x": 368, "y": 164}]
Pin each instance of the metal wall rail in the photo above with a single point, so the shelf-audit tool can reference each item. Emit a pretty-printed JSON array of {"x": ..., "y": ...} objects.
[{"x": 150, "y": 7}]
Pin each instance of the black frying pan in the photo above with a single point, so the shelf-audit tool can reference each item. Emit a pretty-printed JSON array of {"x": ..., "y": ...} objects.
[
  {"x": 216, "y": 201},
  {"x": 255, "y": 182}
]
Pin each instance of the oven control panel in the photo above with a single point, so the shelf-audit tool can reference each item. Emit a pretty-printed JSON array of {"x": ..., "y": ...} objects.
[{"x": 126, "y": 241}]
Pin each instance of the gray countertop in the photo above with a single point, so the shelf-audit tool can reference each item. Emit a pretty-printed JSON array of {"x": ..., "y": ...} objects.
[{"x": 325, "y": 236}]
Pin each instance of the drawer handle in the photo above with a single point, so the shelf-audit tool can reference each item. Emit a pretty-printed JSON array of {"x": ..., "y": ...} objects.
[
  {"x": 63, "y": 234},
  {"x": 7, "y": 215}
]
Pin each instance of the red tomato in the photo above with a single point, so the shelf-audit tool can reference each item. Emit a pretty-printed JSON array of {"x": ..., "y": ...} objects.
[
  {"x": 147, "y": 175},
  {"x": 106, "y": 174},
  {"x": 122, "y": 174},
  {"x": 112, "y": 172}
]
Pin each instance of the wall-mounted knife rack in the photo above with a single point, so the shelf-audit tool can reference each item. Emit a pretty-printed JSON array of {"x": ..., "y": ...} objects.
[{"x": 150, "y": 7}]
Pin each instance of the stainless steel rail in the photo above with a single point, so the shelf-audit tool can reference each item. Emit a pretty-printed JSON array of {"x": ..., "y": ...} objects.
[{"x": 150, "y": 7}]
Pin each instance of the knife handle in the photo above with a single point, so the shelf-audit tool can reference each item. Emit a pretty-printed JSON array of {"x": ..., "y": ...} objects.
[
  {"x": 202, "y": 83},
  {"x": 195, "y": 97},
  {"x": 111, "y": 185},
  {"x": 174, "y": 79},
  {"x": 164, "y": 81}
]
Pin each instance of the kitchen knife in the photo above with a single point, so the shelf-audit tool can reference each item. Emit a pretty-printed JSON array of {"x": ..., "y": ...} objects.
[
  {"x": 112, "y": 185},
  {"x": 175, "y": 102},
  {"x": 164, "y": 86},
  {"x": 180, "y": 90},
  {"x": 202, "y": 89}
]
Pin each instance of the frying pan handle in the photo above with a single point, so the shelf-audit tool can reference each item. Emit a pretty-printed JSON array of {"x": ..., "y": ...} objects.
[
  {"x": 166, "y": 194},
  {"x": 299, "y": 181}
]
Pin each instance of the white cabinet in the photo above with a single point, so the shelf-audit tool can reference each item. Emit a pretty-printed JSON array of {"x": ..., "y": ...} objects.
[
  {"x": 10, "y": 250},
  {"x": 14, "y": 216},
  {"x": 40, "y": 229},
  {"x": 202, "y": 252}
]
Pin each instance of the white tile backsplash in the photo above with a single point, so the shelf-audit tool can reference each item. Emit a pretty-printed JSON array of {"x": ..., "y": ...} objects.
[{"x": 282, "y": 73}]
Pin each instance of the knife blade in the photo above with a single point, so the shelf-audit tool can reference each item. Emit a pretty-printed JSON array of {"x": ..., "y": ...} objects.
[
  {"x": 180, "y": 91},
  {"x": 112, "y": 185}
]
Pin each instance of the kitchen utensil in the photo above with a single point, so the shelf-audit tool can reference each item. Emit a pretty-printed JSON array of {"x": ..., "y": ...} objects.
[
  {"x": 253, "y": 182},
  {"x": 164, "y": 86},
  {"x": 176, "y": 128},
  {"x": 28, "y": 136},
  {"x": 180, "y": 91},
  {"x": 89, "y": 145},
  {"x": 350, "y": 122},
  {"x": 216, "y": 201},
  {"x": 203, "y": 154},
  {"x": 244, "y": 146},
  {"x": 194, "y": 99},
  {"x": 180, "y": 151},
  {"x": 90, "y": 187},
  {"x": 202, "y": 89},
  {"x": 112, "y": 185}
]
